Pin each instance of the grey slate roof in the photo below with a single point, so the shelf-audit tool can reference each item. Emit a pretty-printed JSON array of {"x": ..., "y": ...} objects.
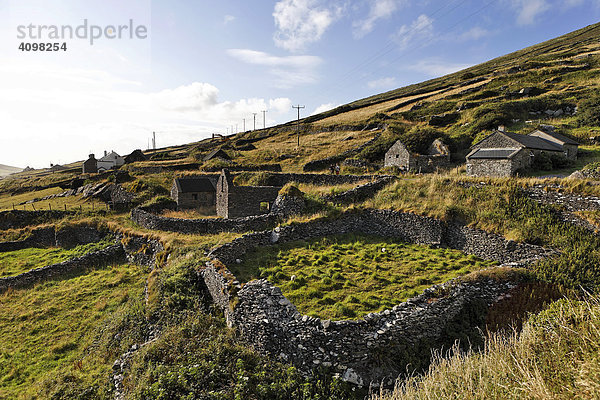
[
  {"x": 533, "y": 142},
  {"x": 217, "y": 153},
  {"x": 493, "y": 153},
  {"x": 187, "y": 185},
  {"x": 560, "y": 137}
]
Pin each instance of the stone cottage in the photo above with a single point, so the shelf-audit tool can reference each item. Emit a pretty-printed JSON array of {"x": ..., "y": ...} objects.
[
  {"x": 194, "y": 192},
  {"x": 90, "y": 166},
  {"x": 570, "y": 147},
  {"x": 243, "y": 201},
  {"x": 502, "y": 154},
  {"x": 438, "y": 155}
]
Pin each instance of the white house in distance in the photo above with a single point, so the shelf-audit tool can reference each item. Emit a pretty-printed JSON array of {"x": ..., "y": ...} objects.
[{"x": 109, "y": 161}]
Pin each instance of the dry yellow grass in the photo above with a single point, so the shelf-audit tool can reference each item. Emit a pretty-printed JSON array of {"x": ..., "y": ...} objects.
[
  {"x": 71, "y": 202},
  {"x": 327, "y": 190},
  {"x": 556, "y": 356},
  {"x": 365, "y": 113},
  {"x": 313, "y": 146}
]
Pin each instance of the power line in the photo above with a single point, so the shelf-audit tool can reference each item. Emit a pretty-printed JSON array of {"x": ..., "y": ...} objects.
[
  {"x": 298, "y": 107},
  {"x": 341, "y": 83},
  {"x": 264, "y": 120}
]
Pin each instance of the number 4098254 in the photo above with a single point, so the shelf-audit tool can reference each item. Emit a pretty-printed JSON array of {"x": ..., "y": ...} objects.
[{"x": 43, "y": 46}]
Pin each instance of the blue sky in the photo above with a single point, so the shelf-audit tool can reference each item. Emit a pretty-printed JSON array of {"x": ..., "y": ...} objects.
[{"x": 205, "y": 66}]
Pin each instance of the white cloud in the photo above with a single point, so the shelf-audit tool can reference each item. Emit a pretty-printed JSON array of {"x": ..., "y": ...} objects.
[
  {"x": 289, "y": 71},
  {"x": 79, "y": 111},
  {"x": 228, "y": 18},
  {"x": 281, "y": 104},
  {"x": 380, "y": 9},
  {"x": 301, "y": 22},
  {"x": 419, "y": 29},
  {"x": 474, "y": 33},
  {"x": 197, "y": 96},
  {"x": 436, "y": 68},
  {"x": 383, "y": 83},
  {"x": 528, "y": 10},
  {"x": 323, "y": 108}
]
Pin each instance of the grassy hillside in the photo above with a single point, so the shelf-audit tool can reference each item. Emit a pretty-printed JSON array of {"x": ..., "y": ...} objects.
[
  {"x": 7, "y": 170},
  {"x": 59, "y": 338},
  {"x": 554, "y": 357},
  {"x": 517, "y": 90}
]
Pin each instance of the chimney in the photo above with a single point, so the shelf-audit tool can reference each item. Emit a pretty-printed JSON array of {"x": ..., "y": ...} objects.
[{"x": 105, "y": 153}]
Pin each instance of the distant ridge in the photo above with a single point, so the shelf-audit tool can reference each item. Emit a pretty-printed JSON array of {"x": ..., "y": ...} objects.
[{"x": 6, "y": 170}]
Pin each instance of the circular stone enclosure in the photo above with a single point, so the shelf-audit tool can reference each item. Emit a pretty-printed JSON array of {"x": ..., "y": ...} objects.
[{"x": 348, "y": 276}]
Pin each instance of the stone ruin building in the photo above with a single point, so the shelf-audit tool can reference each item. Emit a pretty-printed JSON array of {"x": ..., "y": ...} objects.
[
  {"x": 438, "y": 155},
  {"x": 229, "y": 200},
  {"x": 243, "y": 201}
]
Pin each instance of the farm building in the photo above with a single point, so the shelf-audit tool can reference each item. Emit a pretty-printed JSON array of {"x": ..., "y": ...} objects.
[
  {"x": 110, "y": 160},
  {"x": 438, "y": 155},
  {"x": 193, "y": 192},
  {"x": 505, "y": 153},
  {"x": 243, "y": 201},
  {"x": 90, "y": 166},
  {"x": 135, "y": 156},
  {"x": 570, "y": 147}
]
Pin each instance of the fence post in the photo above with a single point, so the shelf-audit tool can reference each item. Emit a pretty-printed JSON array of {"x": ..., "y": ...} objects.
[{"x": 50, "y": 206}]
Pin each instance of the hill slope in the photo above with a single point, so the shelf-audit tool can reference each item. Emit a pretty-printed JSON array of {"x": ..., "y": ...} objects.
[
  {"x": 7, "y": 170},
  {"x": 555, "y": 82}
]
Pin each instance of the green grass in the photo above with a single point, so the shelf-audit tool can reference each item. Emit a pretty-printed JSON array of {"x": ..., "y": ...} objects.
[
  {"x": 556, "y": 356},
  {"x": 348, "y": 276},
  {"x": 71, "y": 203},
  {"x": 500, "y": 206},
  {"x": 19, "y": 261},
  {"x": 45, "y": 330}
]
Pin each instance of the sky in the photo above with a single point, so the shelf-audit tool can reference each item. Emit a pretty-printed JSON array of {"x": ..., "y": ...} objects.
[{"x": 187, "y": 69}]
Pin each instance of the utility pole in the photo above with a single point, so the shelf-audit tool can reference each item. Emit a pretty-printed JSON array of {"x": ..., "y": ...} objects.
[
  {"x": 236, "y": 128},
  {"x": 154, "y": 140},
  {"x": 298, "y": 107},
  {"x": 264, "y": 113},
  {"x": 244, "y": 119},
  {"x": 254, "y": 114}
]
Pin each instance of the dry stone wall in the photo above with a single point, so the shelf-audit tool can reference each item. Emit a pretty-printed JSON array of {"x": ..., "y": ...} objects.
[
  {"x": 134, "y": 249},
  {"x": 16, "y": 219},
  {"x": 203, "y": 225},
  {"x": 372, "y": 349},
  {"x": 112, "y": 254},
  {"x": 362, "y": 192},
  {"x": 41, "y": 237}
]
